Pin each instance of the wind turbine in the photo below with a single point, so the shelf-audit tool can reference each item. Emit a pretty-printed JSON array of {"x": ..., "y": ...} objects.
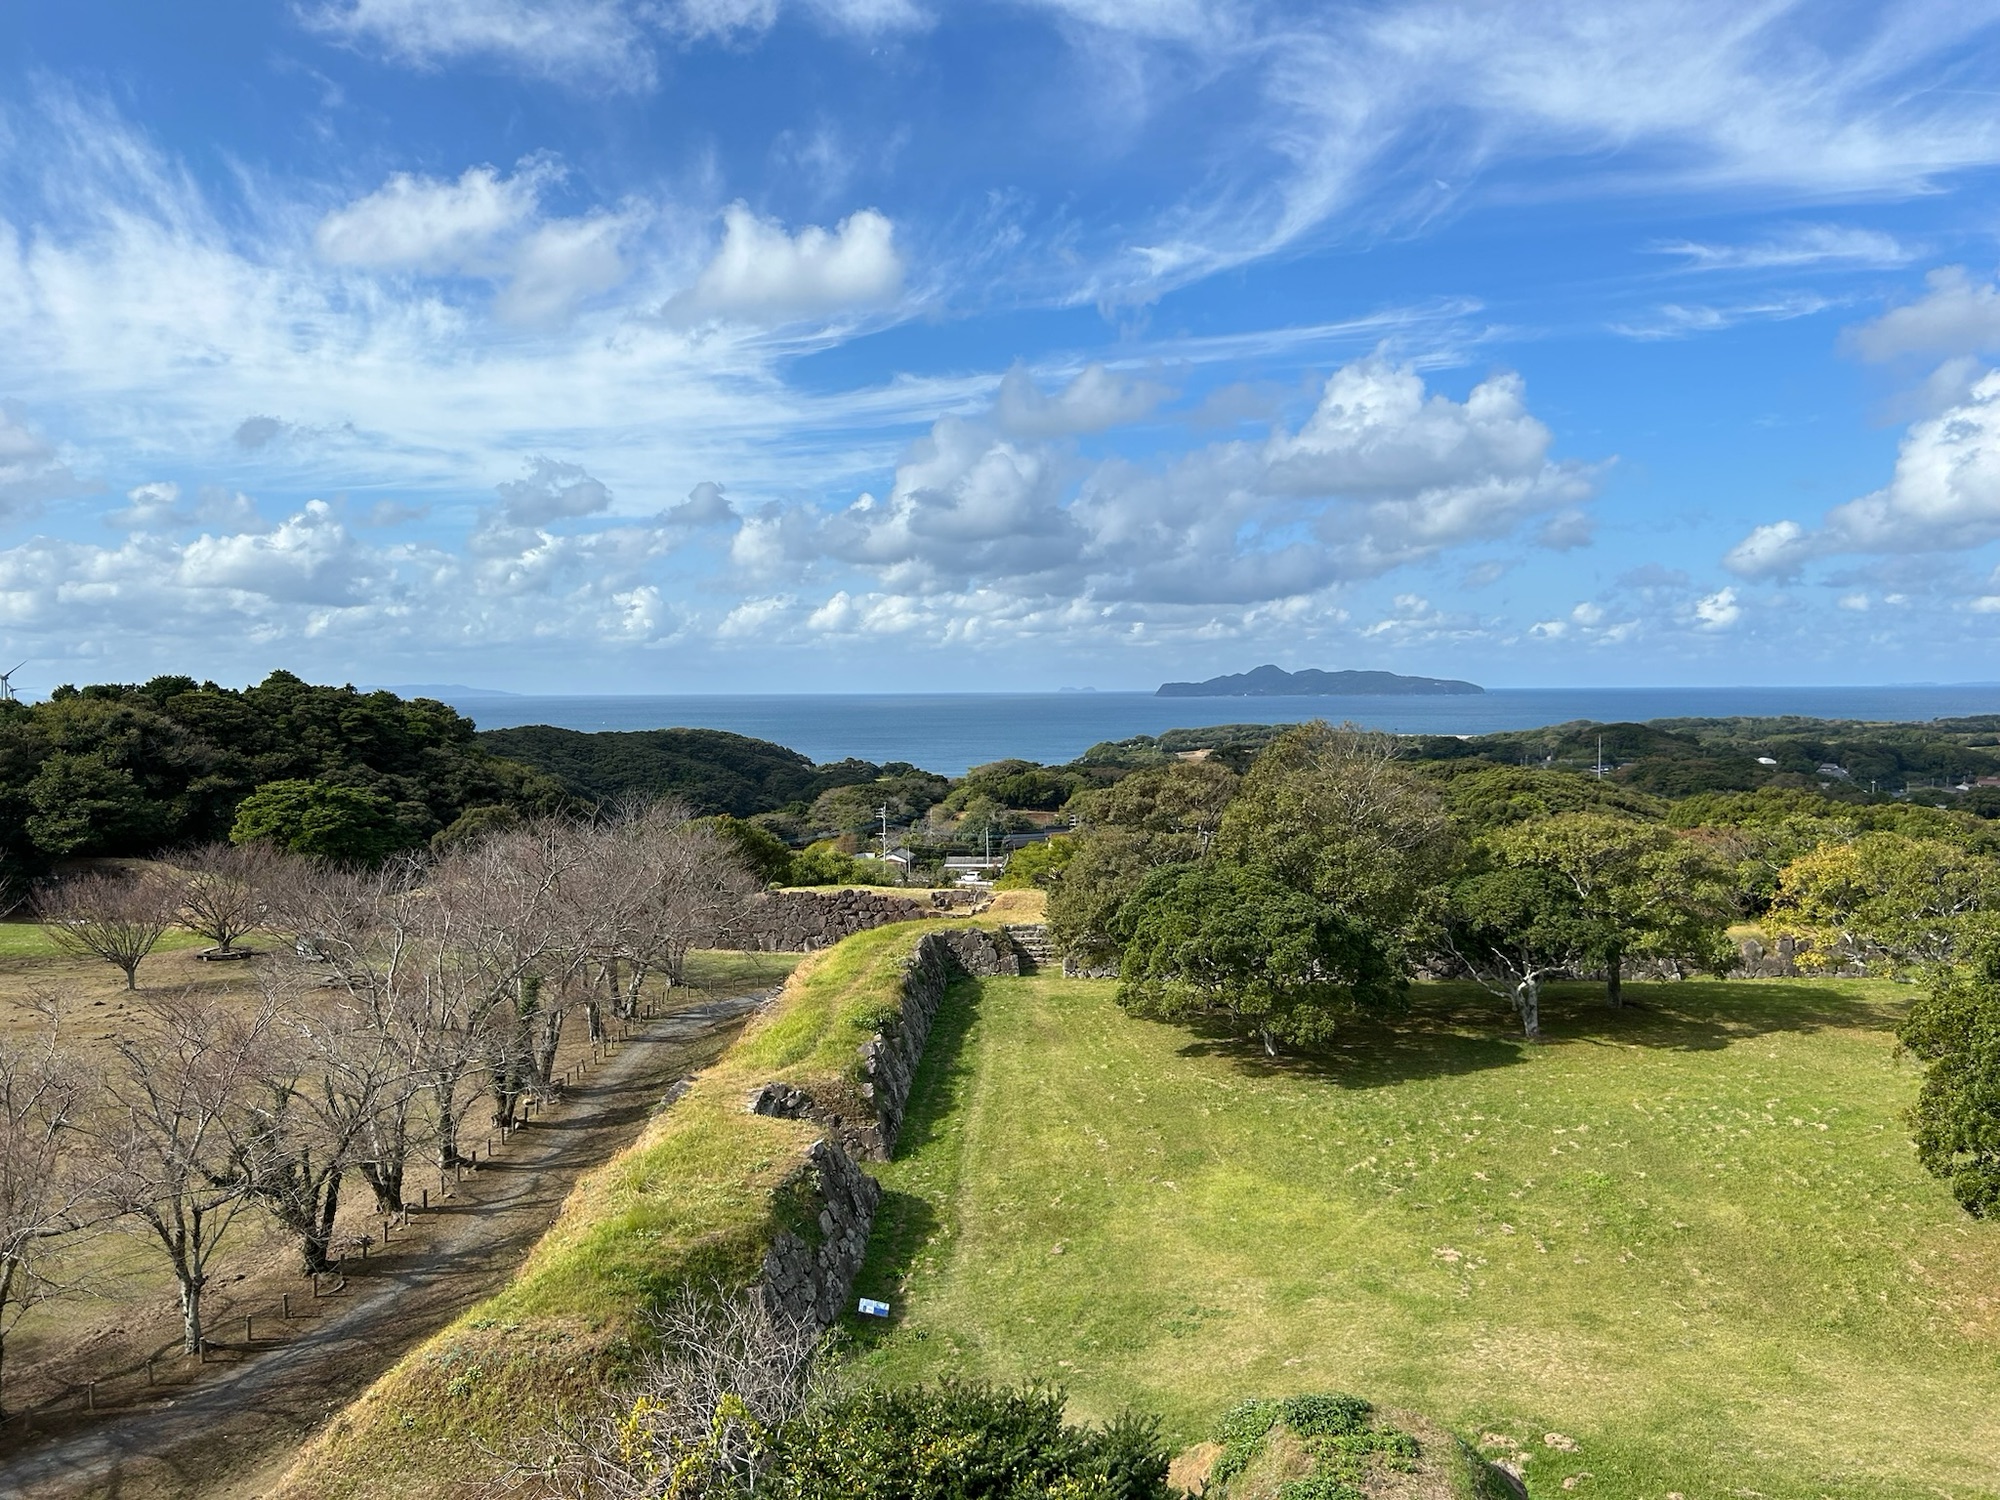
[{"x": 7, "y": 682}]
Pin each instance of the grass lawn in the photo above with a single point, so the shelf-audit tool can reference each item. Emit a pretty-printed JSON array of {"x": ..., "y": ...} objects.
[{"x": 1689, "y": 1237}]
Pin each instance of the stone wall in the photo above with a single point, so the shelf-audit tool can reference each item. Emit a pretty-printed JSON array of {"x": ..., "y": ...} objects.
[
  {"x": 889, "y": 1059},
  {"x": 801, "y": 921},
  {"x": 807, "y": 1278},
  {"x": 812, "y": 1280}
]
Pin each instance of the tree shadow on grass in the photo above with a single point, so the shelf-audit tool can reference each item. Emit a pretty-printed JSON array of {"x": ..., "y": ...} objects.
[{"x": 1455, "y": 1028}]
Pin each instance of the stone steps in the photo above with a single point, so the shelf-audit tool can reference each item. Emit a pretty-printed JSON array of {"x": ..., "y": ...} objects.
[{"x": 1031, "y": 940}]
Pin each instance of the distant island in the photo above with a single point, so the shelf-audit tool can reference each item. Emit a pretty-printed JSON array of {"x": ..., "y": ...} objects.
[{"x": 1275, "y": 682}]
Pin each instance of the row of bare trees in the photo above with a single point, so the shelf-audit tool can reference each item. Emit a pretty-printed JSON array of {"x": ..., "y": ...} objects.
[{"x": 404, "y": 997}]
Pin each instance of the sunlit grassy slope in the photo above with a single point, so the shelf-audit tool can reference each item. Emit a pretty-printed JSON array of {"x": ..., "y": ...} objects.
[{"x": 1689, "y": 1237}]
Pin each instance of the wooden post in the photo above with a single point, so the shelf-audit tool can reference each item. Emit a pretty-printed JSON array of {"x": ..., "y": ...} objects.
[
  {"x": 285, "y": 1301},
  {"x": 427, "y": 1193},
  {"x": 246, "y": 1328},
  {"x": 149, "y": 1368},
  {"x": 90, "y": 1396}
]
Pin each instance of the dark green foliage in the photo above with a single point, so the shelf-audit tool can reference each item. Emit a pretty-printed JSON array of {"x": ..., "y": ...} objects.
[
  {"x": 1232, "y": 940},
  {"x": 964, "y": 1442},
  {"x": 711, "y": 770},
  {"x": 1483, "y": 797},
  {"x": 823, "y": 864},
  {"x": 323, "y": 820},
  {"x": 768, "y": 857},
  {"x": 1166, "y": 814},
  {"x": 1955, "y": 1031},
  {"x": 125, "y": 769}
]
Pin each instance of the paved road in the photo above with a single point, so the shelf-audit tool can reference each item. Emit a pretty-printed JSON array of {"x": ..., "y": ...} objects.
[{"x": 235, "y": 1431}]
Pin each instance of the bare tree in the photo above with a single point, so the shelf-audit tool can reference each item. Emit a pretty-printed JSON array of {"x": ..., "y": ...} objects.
[
  {"x": 176, "y": 1141},
  {"x": 325, "y": 1088},
  {"x": 701, "y": 1416},
  {"x": 41, "y": 1193},
  {"x": 220, "y": 890},
  {"x": 118, "y": 918}
]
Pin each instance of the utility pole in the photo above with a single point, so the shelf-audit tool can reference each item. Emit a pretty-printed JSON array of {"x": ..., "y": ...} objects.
[{"x": 882, "y": 812}]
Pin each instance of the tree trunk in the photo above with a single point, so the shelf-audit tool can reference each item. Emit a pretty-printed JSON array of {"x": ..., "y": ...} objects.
[
  {"x": 1270, "y": 1043},
  {"x": 131, "y": 976},
  {"x": 385, "y": 1180},
  {"x": 1528, "y": 1001},
  {"x": 191, "y": 1313},
  {"x": 595, "y": 1014},
  {"x": 316, "y": 1244},
  {"x": 444, "y": 1098},
  {"x": 1614, "y": 977}
]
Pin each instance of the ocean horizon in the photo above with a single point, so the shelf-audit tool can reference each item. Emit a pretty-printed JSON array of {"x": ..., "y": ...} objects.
[{"x": 951, "y": 732}]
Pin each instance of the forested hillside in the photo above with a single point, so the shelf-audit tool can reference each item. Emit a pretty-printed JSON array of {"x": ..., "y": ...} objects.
[
  {"x": 712, "y": 770},
  {"x": 122, "y": 769}
]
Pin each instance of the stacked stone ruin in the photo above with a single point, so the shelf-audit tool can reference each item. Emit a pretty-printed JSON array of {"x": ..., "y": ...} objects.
[{"x": 810, "y": 1278}]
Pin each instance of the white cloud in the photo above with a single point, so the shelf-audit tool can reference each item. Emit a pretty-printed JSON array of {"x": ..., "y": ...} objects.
[
  {"x": 1674, "y": 320},
  {"x": 584, "y": 42},
  {"x": 1095, "y": 400},
  {"x": 1382, "y": 474},
  {"x": 551, "y": 491},
  {"x": 1777, "y": 550},
  {"x": 1944, "y": 496},
  {"x": 1957, "y": 316},
  {"x": 562, "y": 263},
  {"x": 414, "y": 223},
  {"x": 760, "y": 274},
  {"x": 30, "y": 472},
  {"x": 1717, "y": 611},
  {"x": 705, "y": 505},
  {"x": 1800, "y": 246}
]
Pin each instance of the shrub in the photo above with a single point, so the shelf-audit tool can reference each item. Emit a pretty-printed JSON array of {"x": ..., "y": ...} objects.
[{"x": 958, "y": 1441}]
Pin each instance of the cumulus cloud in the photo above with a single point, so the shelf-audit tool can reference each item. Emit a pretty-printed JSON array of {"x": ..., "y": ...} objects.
[
  {"x": 482, "y": 225},
  {"x": 1381, "y": 474},
  {"x": 705, "y": 505},
  {"x": 1943, "y": 496},
  {"x": 1717, "y": 611},
  {"x": 551, "y": 491},
  {"x": 1956, "y": 316},
  {"x": 760, "y": 274},
  {"x": 1095, "y": 400},
  {"x": 310, "y": 558}
]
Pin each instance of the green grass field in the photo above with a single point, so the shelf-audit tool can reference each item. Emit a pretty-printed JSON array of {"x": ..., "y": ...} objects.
[{"x": 1689, "y": 1238}]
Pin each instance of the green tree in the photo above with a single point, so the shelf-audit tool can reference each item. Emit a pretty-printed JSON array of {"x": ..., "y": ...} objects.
[
  {"x": 1036, "y": 866},
  {"x": 1955, "y": 1031},
  {"x": 1333, "y": 813},
  {"x": 1647, "y": 891},
  {"x": 824, "y": 864},
  {"x": 1163, "y": 815},
  {"x": 81, "y": 805},
  {"x": 322, "y": 819},
  {"x": 1231, "y": 940},
  {"x": 1911, "y": 899},
  {"x": 1514, "y": 928},
  {"x": 764, "y": 854}
]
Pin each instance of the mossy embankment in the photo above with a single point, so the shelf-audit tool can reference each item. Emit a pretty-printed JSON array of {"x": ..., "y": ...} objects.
[{"x": 698, "y": 1197}]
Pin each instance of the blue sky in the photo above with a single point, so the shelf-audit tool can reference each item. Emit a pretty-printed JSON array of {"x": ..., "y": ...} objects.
[{"x": 774, "y": 345}]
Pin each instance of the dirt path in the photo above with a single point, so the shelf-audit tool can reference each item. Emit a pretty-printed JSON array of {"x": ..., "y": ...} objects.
[{"x": 230, "y": 1435}]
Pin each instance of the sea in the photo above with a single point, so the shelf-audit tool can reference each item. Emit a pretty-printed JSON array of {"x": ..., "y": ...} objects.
[{"x": 951, "y": 732}]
